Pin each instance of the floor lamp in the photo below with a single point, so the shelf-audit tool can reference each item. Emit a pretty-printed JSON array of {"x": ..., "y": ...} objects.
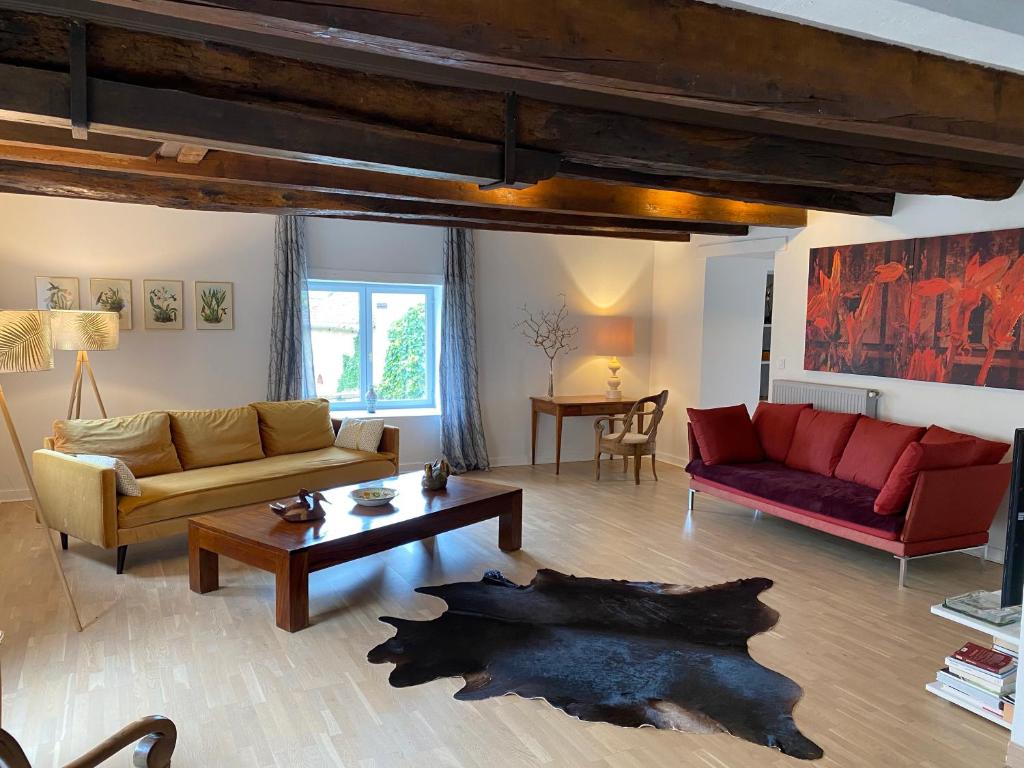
[
  {"x": 84, "y": 332},
  {"x": 25, "y": 346}
]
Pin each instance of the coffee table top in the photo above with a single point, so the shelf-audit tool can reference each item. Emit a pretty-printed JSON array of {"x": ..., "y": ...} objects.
[{"x": 256, "y": 523}]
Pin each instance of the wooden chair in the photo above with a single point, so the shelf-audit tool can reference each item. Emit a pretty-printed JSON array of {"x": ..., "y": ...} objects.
[
  {"x": 628, "y": 441},
  {"x": 156, "y": 735}
]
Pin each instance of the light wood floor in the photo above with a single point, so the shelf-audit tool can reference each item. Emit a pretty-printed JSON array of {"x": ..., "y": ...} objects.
[{"x": 244, "y": 693}]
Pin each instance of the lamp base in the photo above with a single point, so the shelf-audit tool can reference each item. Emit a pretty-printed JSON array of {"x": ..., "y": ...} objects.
[
  {"x": 614, "y": 382},
  {"x": 613, "y": 394}
]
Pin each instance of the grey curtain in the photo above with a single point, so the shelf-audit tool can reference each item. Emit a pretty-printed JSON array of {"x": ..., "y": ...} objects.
[
  {"x": 291, "y": 361},
  {"x": 462, "y": 427}
]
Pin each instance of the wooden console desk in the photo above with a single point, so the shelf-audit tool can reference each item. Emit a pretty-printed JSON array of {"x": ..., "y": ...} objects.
[{"x": 571, "y": 405}]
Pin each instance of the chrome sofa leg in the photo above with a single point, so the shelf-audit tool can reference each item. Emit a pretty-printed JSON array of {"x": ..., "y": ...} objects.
[
  {"x": 689, "y": 499},
  {"x": 984, "y": 555},
  {"x": 903, "y": 571}
]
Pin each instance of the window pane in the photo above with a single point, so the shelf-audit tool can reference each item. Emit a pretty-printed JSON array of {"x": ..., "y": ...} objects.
[
  {"x": 400, "y": 345},
  {"x": 334, "y": 322}
]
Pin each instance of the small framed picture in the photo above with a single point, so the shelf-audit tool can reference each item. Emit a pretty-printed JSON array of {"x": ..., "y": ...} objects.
[
  {"x": 215, "y": 306},
  {"x": 112, "y": 294},
  {"x": 164, "y": 304},
  {"x": 57, "y": 293}
]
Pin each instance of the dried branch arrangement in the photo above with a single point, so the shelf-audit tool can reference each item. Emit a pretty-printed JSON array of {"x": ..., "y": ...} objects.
[{"x": 549, "y": 331}]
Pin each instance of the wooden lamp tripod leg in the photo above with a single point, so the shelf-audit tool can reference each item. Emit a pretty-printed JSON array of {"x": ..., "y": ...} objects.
[
  {"x": 39, "y": 508},
  {"x": 92, "y": 380},
  {"x": 76, "y": 388}
]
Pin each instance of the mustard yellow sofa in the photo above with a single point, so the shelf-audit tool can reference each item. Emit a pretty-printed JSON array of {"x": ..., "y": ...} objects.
[{"x": 192, "y": 462}]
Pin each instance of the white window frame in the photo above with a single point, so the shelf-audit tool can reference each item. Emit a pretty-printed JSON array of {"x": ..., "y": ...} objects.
[{"x": 366, "y": 291}]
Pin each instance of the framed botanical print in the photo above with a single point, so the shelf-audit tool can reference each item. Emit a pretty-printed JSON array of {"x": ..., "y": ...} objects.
[
  {"x": 164, "y": 304},
  {"x": 57, "y": 293},
  {"x": 215, "y": 306},
  {"x": 111, "y": 294}
]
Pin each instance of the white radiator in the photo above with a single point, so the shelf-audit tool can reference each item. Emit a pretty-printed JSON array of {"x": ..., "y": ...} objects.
[{"x": 827, "y": 397}]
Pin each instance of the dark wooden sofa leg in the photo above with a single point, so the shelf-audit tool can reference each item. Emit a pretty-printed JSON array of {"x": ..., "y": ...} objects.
[
  {"x": 63, "y": 541},
  {"x": 122, "y": 553}
]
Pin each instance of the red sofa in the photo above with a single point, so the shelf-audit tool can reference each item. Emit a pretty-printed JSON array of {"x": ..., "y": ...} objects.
[{"x": 948, "y": 510}]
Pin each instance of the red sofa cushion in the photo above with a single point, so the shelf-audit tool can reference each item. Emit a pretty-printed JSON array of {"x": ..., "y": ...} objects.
[
  {"x": 917, "y": 458},
  {"x": 819, "y": 440},
  {"x": 874, "y": 448},
  {"x": 775, "y": 424},
  {"x": 985, "y": 452},
  {"x": 725, "y": 435}
]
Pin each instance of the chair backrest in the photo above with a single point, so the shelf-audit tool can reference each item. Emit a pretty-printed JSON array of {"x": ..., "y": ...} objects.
[{"x": 651, "y": 408}]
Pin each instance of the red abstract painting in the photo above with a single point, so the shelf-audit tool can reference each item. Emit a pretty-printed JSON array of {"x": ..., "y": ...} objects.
[{"x": 945, "y": 309}]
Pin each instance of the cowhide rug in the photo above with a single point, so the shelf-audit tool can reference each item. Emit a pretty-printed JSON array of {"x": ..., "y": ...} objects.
[{"x": 627, "y": 653}]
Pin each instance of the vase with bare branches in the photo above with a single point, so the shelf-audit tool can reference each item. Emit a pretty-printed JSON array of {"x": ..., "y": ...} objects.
[{"x": 550, "y": 332}]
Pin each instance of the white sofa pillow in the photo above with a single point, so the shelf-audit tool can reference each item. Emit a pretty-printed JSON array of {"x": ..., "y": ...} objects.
[
  {"x": 127, "y": 485},
  {"x": 360, "y": 434}
]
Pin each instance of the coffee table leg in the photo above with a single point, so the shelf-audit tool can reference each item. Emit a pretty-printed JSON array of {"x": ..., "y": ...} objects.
[
  {"x": 203, "y": 567},
  {"x": 510, "y": 528},
  {"x": 293, "y": 593}
]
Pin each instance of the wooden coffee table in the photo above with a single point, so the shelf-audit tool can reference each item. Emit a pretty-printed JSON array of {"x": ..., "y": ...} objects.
[{"x": 256, "y": 536}]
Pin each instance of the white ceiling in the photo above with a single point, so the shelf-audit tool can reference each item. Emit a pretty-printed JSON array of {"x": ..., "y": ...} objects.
[{"x": 989, "y": 32}]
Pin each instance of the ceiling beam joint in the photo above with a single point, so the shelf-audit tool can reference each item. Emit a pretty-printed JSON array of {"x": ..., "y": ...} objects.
[
  {"x": 79, "y": 90},
  {"x": 509, "y": 180}
]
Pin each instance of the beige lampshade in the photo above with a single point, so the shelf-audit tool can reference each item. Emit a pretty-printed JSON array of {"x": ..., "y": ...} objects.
[
  {"x": 77, "y": 330},
  {"x": 25, "y": 341},
  {"x": 613, "y": 336}
]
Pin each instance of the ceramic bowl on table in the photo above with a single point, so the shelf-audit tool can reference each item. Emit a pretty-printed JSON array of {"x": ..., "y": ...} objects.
[{"x": 373, "y": 497}]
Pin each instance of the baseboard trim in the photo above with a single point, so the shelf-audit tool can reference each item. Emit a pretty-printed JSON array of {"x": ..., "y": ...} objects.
[
  {"x": 1014, "y": 755},
  {"x": 15, "y": 494}
]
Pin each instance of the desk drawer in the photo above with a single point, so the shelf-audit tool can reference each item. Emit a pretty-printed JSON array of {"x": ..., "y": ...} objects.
[{"x": 604, "y": 409}]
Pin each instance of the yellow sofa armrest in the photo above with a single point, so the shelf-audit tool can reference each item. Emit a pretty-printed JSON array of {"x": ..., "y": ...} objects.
[
  {"x": 389, "y": 444},
  {"x": 78, "y": 498}
]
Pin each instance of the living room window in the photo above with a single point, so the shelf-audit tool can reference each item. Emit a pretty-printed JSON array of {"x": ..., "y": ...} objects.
[{"x": 377, "y": 334}]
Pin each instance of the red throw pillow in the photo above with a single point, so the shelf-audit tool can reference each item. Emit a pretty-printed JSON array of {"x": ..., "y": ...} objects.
[
  {"x": 775, "y": 424},
  {"x": 819, "y": 440},
  {"x": 917, "y": 458},
  {"x": 874, "y": 448},
  {"x": 725, "y": 435},
  {"x": 985, "y": 451}
]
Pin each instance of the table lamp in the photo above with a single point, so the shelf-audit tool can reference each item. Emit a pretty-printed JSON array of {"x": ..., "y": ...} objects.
[
  {"x": 613, "y": 336},
  {"x": 26, "y": 346},
  {"x": 84, "y": 332}
]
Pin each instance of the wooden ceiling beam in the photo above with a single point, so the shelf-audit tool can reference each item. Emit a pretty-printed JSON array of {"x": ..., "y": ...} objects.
[
  {"x": 40, "y": 136},
  {"x": 724, "y": 63},
  {"x": 696, "y": 213},
  {"x": 617, "y": 143},
  {"x": 217, "y": 196}
]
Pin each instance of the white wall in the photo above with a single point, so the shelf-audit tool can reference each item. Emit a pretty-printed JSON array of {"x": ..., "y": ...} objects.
[
  {"x": 733, "y": 330},
  {"x": 199, "y": 369}
]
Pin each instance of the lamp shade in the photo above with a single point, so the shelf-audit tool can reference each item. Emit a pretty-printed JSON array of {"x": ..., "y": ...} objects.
[
  {"x": 613, "y": 336},
  {"x": 76, "y": 330},
  {"x": 25, "y": 341}
]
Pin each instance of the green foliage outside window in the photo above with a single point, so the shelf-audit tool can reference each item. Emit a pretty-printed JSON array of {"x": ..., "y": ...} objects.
[
  {"x": 405, "y": 368},
  {"x": 349, "y": 379}
]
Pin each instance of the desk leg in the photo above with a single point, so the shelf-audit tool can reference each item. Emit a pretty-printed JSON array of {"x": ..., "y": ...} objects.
[
  {"x": 558, "y": 442},
  {"x": 533, "y": 435},
  {"x": 293, "y": 592}
]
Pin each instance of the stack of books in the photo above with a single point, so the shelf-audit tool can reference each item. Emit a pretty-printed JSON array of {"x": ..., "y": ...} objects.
[{"x": 984, "y": 678}]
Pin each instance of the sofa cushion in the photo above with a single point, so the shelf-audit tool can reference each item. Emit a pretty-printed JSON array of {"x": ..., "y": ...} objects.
[
  {"x": 917, "y": 458},
  {"x": 229, "y": 485},
  {"x": 819, "y": 440},
  {"x": 214, "y": 437},
  {"x": 142, "y": 442},
  {"x": 775, "y": 424},
  {"x": 295, "y": 426},
  {"x": 725, "y": 435},
  {"x": 985, "y": 451},
  {"x": 873, "y": 450},
  {"x": 846, "y": 503}
]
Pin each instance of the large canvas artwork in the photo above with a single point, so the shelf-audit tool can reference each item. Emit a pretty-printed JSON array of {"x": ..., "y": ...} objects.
[{"x": 944, "y": 309}]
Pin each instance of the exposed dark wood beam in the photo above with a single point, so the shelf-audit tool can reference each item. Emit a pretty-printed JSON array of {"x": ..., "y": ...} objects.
[
  {"x": 176, "y": 193},
  {"x": 45, "y": 136},
  {"x": 611, "y": 142},
  {"x": 561, "y": 196},
  {"x": 497, "y": 227},
  {"x": 726, "y": 64}
]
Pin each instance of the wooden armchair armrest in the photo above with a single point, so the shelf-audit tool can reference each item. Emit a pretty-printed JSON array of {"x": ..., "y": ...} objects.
[
  {"x": 610, "y": 421},
  {"x": 156, "y": 735}
]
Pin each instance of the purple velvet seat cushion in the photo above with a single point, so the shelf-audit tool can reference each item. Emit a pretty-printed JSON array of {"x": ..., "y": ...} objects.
[{"x": 838, "y": 499}]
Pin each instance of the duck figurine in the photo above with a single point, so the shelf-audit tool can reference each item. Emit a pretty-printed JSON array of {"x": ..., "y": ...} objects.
[
  {"x": 435, "y": 476},
  {"x": 306, "y": 508}
]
